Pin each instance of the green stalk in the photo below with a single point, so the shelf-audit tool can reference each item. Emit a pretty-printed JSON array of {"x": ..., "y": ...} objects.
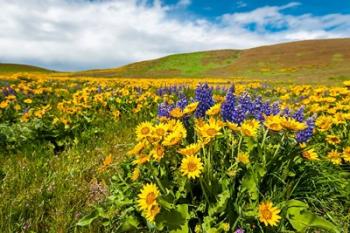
[{"x": 204, "y": 190}]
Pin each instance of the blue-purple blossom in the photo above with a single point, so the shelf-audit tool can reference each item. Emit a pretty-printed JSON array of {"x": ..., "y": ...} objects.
[
  {"x": 228, "y": 106},
  {"x": 182, "y": 102},
  {"x": 275, "y": 108},
  {"x": 299, "y": 115},
  {"x": 246, "y": 103},
  {"x": 238, "y": 115},
  {"x": 306, "y": 134},
  {"x": 204, "y": 96},
  {"x": 164, "y": 110}
]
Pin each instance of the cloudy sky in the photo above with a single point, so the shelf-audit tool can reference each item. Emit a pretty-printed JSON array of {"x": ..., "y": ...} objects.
[{"x": 85, "y": 34}]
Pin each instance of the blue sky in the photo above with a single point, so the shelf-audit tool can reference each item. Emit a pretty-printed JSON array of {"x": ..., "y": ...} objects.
[
  {"x": 214, "y": 8},
  {"x": 85, "y": 34}
]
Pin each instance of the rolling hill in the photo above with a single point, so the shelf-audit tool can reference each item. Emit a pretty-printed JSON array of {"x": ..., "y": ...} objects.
[
  {"x": 303, "y": 59},
  {"x": 10, "y": 68}
]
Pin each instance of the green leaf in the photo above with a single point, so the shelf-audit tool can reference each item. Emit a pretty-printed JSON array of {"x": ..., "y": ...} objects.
[
  {"x": 176, "y": 220},
  {"x": 131, "y": 223},
  {"x": 221, "y": 203},
  {"x": 87, "y": 220},
  {"x": 249, "y": 184},
  {"x": 302, "y": 219}
]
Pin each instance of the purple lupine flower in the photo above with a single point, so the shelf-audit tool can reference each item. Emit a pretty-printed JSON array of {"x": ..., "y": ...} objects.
[
  {"x": 275, "y": 108},
  {"x": 257, "y": 112},
  {"x": 99, "y": 89},
  {"x": 203, "y": 95},
  {"x": 164, "y": 110},
  {"x": 299, "y": 115},
  {"x": 239, "y": 230},
  {"x": 182, "y": 102},
  {"x": 266, "y": 109},
  {"x": 238, "y": 115},
  {"x": 246, "y": 103},
  {"x": 228, "y": 106},
  {"x": 306, "y": 134},
  {"x": 286, "y": 112},
  {"x": 5, "y": 92}
]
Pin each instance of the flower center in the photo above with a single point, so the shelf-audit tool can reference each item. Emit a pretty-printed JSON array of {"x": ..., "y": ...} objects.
[
  {"x": 145, "y": 130},
  {"x": 160, "y": 132},
  {"x": 247, "y": 132},
  {"x": 191, "y": 166},
  {"x": 266, "y": 214},
  {"x": 151, "y": 197},
  {"x": 211, "y": 132},
  {"x": 173, "y": 141}
]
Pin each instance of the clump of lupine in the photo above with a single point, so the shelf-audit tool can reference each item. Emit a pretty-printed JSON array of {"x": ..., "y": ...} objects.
[{"x": 241, "y": 163}]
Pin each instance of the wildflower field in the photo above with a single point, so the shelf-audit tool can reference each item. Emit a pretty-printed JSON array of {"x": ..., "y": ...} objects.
[{"x": 174, "y": 155}]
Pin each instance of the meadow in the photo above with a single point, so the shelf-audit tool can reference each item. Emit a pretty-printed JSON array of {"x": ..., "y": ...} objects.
[{"x": 83, "y": 154}]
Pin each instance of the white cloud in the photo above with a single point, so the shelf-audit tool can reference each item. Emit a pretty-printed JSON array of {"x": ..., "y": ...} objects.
[
  {"x": 76, "y": 34},
  {"x": 184, "y": 3},
  {"x": 241, "y": 4}
]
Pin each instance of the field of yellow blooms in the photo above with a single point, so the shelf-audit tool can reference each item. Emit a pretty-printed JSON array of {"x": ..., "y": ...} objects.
[{"x": 153, "y": 155}]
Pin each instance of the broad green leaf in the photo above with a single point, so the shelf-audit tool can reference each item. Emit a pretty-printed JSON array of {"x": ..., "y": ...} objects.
[
  {"x": 87, "y": 220},
  {"x": 176, "y": 220},
  {"x": 221, "y": 203},
  {"x": 302, "y": 219},
  {"x": 130, "y": 223},
  {"x": 249, "y": 184}
]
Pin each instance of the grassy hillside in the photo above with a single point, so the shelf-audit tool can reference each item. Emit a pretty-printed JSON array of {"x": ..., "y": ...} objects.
[
  {"x": 304, "y": 59},
  {"x": 10, "y": 68}
]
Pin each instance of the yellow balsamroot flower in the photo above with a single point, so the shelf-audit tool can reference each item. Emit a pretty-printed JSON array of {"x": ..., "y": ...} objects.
[
  {"x": 214, "y": 110},
  {"x": 310, "y": 154},
  {"x": 161, "y": 130},
  {"x": 211, "y": 129},
  {"x": 28, "y": 101},
  {"x": 302, "y": 145},
  {"x": 292, "y": 124},
  {"x": 176, "y": 112},
  {"x": 135, "y": 174},
  {"x": 17, "y": 107},
  {"x": 137, "y": 149},
  {"x": 233, "y": 126},
  {"x": 143, "y": 130},
  {"x": 172, "y": 139},
  {"x": 4, "y": 104},
  {"x": 147, "y": 201},
  {"x": 347, "y": 83},
  {"x": 339, "y": 118},
  {"x": 191, "y": 149},
  {"x": 106, "y": 163},
  {"x": 180, "y": 128},
  {"x": 11, "y": 97},
  {"x": 191, "y": 166},
  {"x": 141, "y": 159},
  {"x": 243, "y": 157},
  {"x": 157, "y": 152},
  {"x": 268, "y": 214},
  {"x": 148, "y": 196},
  {"x": 152, "y": 212},
  {"x": 333, "y": 139},
  {"x": 324, "y": 123},
  {"x": 190, "y": 108},
  {"x": 25, "y": 117},
  {"x": 250, "y": 128},
  {"x": 334, "y": 157},
  {"x": 116, "y": 114},
  {"x": 273, "y": 123},
  {"x": 346, "y": 154}
]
